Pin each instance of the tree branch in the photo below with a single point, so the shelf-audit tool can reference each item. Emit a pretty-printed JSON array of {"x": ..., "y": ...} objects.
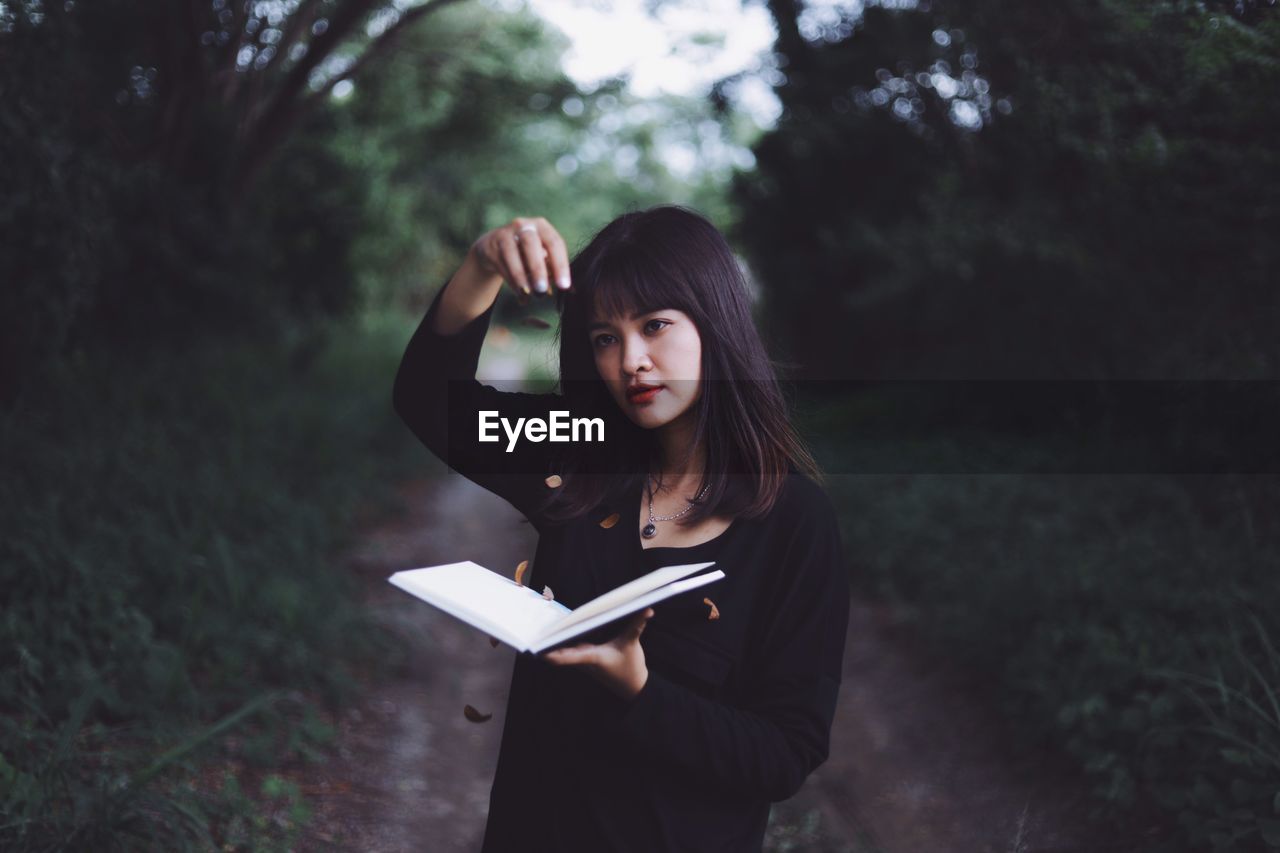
[
  {"x": 258, "y": 117},
  {"x": 299, "y": 22},
  {"x": 380, "y": 46},
  {"x": 340, "y": 25},
  {"x": 180, "y": 47},
  {"x": 288, "y": 105},
  {"x": 225, "y": 78}
]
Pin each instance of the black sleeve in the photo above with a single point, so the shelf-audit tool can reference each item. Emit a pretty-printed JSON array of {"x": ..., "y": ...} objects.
[
  {"x": 767, "y": 744},
  {"x": 437, "y": 396}
]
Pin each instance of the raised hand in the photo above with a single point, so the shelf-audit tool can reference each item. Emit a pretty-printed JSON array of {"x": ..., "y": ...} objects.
[{"x": 528, "y": 253}]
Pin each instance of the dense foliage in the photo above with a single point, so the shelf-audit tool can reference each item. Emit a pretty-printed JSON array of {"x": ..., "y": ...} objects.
[
  {"x": 974, "y": 189},
  {"x": 978, "y": 190},
  {"x": 140, "y": 210},
  {"x": 197, "y": 196},
  {"x": 168, "y": 553},
  {"x": 199, "y": 204},
  {"x": 237, "y": 167},
  {"x": 439, "y": 170}
]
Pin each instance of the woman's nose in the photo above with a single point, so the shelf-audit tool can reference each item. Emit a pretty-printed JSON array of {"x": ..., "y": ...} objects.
[{"x": 635, "y": 357}]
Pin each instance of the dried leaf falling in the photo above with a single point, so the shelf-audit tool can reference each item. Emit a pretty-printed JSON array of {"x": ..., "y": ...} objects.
[
  {"x": 715, "y": 611},
  {"x": 535, "y": 323},
  {"x": 548, "y": 594},
  {"x": 475, "y": 716},
  {"x": 554, "y": 481},
  {"x": 610, "y": 521},
  {"x": 520, "y": 570},
  {"x": 493, "y": 641}
]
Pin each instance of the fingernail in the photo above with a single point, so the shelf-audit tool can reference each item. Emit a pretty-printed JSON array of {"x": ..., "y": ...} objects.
[
  {"x": 563, "y": 282},
  {"x": 540, "y": 285}
]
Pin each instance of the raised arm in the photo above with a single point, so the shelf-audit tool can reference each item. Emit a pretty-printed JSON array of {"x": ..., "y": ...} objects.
[{"x": 435, "y": 391}]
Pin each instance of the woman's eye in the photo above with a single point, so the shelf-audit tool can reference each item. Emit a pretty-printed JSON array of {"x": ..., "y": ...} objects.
[
  {"x": 656, "y": 325},
  {"x": 602, "y": 340}
]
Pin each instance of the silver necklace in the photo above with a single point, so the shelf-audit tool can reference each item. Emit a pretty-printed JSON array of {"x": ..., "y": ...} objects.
[{"x": 650, "y": 530}]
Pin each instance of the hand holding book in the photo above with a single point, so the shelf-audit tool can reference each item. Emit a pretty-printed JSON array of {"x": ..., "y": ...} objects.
[{"x": 617, "y": 664}]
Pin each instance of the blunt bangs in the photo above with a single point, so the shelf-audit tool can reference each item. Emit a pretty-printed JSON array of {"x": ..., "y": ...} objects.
[{"x": 635, "y": 281}]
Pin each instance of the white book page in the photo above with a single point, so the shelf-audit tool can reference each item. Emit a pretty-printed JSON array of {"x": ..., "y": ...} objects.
[
  {"x": 502, "y": 608},
  {"x": 628, "y": 591},
  {"x": 630, "y": 606}
]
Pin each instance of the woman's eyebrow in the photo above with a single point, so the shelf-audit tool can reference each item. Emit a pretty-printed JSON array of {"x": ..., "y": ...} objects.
[{"x": 635, "y": 315}]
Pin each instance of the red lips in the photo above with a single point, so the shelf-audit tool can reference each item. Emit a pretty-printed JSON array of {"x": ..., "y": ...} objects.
[{"x": 642, "y": 393}]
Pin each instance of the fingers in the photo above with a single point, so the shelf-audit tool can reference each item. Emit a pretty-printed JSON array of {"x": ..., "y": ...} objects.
[
  {"x": 574, "y": 655},
  {"x": 559, "y": 253},
  {"x": 513, "y": 265},
  {"x": 543, "y": 253},
  {"x": 602, "y": 655},
  {"x": 529, "y": 254},
  {"x": 534, "y": 256},
  {"x": 636, "y": 626}
]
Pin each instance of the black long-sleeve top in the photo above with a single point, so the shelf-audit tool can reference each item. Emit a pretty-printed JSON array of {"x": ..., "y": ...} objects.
[{"x": 736, "y": 712}]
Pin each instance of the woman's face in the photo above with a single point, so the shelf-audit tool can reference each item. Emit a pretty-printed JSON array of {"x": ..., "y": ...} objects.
[{"x": 651, "y": 363}]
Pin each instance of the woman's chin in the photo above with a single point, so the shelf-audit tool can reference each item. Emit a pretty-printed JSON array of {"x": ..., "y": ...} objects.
[
  {"x": 650, "y": 416},
  {"x": 648, "y": 420}
]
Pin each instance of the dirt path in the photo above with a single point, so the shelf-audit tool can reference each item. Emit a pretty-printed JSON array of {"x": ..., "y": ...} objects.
[
  {"x": 917, "y": 763},
  {"x": 412, "y": 773}
]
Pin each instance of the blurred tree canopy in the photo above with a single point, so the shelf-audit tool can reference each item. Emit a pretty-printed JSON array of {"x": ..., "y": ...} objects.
[
  {"x": 968, "y": 188},
  {"x": 441, "y": 171},
  {"x": 243, "y": 165},
  {"x": 140, "y": 136},
  {"x": 195, "y": 199}
]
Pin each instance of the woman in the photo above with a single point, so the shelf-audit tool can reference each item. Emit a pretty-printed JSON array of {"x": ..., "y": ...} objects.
[{"x": 678, "y": 732}]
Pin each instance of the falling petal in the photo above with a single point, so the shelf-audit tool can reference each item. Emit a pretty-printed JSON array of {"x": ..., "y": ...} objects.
[
  {"x": 475, "y": 716},
  {"x": 553, "y": 482},
  {"x": 610, "y": 521},
  {"x": 520, "y": 569},
  {"x": 715, "y": 611},
  {"x": 535, "y": 323},
  {"x": 548, "y": 594}
]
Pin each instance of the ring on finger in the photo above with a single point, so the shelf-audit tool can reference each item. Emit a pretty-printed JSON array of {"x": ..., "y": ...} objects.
[{"x": 540, "y": 285}]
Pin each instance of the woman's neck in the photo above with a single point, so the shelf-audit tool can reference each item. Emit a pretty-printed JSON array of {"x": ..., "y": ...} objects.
[{"x": 678, "y": 468}]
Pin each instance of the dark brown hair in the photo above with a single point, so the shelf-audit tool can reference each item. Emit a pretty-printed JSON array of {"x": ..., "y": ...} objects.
[{"x": 670, "y": 257}]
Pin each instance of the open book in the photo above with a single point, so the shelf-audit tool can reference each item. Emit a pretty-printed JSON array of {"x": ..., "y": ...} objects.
[{"x": 522, "y": 618}]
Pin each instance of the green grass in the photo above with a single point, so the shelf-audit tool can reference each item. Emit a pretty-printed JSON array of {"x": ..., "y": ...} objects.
[
  {"x": 1130, "y": 621},
  {"x": 169, "y": 529}
]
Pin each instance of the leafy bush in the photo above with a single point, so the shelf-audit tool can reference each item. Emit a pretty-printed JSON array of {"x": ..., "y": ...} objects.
[
  {"x": 167, "y": 549},
  {"x": 965, "y": 189},
  {"x": 1129, "y": 620}
]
